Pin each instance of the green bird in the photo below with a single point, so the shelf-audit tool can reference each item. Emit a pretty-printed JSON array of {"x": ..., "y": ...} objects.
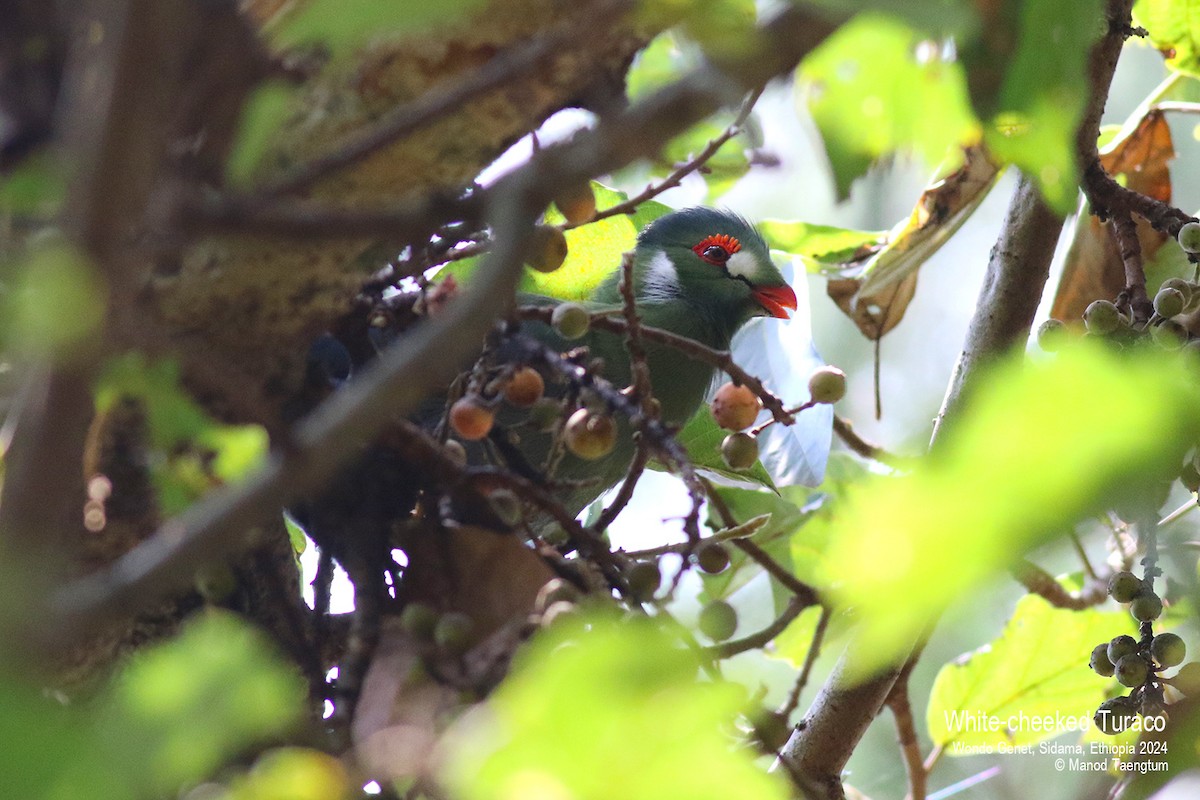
[{"x": 698, "y": 272}]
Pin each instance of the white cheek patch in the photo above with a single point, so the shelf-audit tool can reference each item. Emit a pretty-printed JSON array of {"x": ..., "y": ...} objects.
[
  {"x": 742, "y": 265},
  {"x": 661, "y": 280}
]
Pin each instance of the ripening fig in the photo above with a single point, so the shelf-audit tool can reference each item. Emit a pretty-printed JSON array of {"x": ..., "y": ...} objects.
[
  {"x": 547, "y": 248},
  {"x": 577, "y": 203},
  {"x": 1189, "y": 237},
  {"x": 590, "y": 435},
  {"x": 1169, "y": 335},
  {"x": 1167, "y": 650},
  {"x": 524, "y": 388},
  {"x": 571, "y": 320},
  {"x": 735, "y": 407},
  {"x": 739, "y": 450},
  {"x": 1187, "y": 680},
  {"x": 1123, "y": 586},
  {"x": 1101, "y": 317},
  {"x": 470, "y": 419},
  {"x": 827, "y": 385}
]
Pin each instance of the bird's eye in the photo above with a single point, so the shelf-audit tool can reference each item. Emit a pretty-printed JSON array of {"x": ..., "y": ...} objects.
[{"x": 718, "y": 248}]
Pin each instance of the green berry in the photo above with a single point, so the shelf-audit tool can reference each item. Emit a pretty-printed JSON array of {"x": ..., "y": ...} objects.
[
  {"x": 571, "y": 320},
  {"x": 1115, "y": 715},
  {"x": 1120, "y": 647},
  {"x": 547, "y": 248},
  {"x": 419, "y": 621},
  {"x": 1169, "y": 335},
  {"x": 739, "y": 451},
  {"x": 1099, "y": 661},
  {"x": 1124, "y": 586},
  {"x": 827, "y": 385},
  {"x": 1102, "y": 318},
  {"x": 1146, "y": 607},
  {"x": 1051, "y": 335},
  {"x": 455, "y": 452},
  {"x": 1189, "y": 237},
  {"x": 718, "y": 620},
  {"x": 712, "y": 558},
  {"x": 1169, "y": 302},
  {"x": 544, "y": 414},
  {"x": 1184, "y": 287},
  {"x": 506, "y": 506},
  {"x": 453, "y": 632},
  {"x": 643, "y": 579},
  {"x": 1167, "y": 650},
  {"x": 1189, "y": 476},
  {"x": 1131, "y": 671},
  {"x": 771, "y": 730},
  {"x": 555, "y": 535}
]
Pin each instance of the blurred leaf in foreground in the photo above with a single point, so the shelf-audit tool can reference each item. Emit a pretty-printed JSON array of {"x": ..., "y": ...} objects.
[
  {"x": 1041, "y": 446},
  {"x": 601, "y": 708}
]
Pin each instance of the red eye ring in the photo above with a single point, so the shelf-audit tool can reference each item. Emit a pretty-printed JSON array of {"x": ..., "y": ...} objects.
[{"x": 717, "y": 248}]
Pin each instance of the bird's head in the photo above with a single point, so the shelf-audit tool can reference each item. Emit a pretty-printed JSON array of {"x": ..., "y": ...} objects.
[{"x": 713, "y": 259}]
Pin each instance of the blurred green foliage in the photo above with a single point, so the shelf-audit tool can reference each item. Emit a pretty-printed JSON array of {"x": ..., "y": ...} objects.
[
  {"x": 171, "y": 716},
  {"x": 599, "y": 707},
  {"x": 1035, "y": 450},
  {"x": 189, "y": 452},
  {"x": 56, "y": 303},
  {"x": 1174, "y": 28}
]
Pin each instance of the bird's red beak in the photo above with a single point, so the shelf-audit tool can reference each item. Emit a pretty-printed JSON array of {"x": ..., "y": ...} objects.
[{"x": 777, "y": 300}]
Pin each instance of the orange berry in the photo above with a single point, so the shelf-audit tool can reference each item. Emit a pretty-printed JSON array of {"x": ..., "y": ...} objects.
[
  {"x": 590, "y": 436},
  {"x": 524, "y": 388},
  {"x": 470, "y": 419},
  {"x": 735, "y": 407},
  {"x": 577, "y": 203}
]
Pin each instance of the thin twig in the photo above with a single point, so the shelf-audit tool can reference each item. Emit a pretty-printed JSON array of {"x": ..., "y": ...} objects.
[
  {"x": 1038, "y": 581},
  {"x": 747, "y": 528},
  {"x": 810, "y": 658},
  {"x": 906, "y": 732},
  {"x": 696, "y": 162},
  {"x": 844, "y": 428}
]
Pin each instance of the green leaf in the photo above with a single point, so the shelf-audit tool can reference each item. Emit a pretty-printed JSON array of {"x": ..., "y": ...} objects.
[
  {"x": 721, "y": 170},
  {"x": 822, "y": 248},
  {"x": 57, "y": 302},
  {"x": 183, "y": 708},
  {"x": 1174, "y": 27},
  {"x": 34, "y": 186},
  {"x": 1030, "y": 684},
  {"x": 266, "y": 110},
  {"x": 593, "y": 251},
  {"x": 603, "y": 707},
  {"x": 657, "y": 64},
  {"x": 877, "y": 87},
  {"x": 702, "y": 438},
  {"x": 191, "y": 452},
  {"x": 341, "y": 27},
  {"x": 1043, "y": 93},
  {"x": 1039, "y": 447}
]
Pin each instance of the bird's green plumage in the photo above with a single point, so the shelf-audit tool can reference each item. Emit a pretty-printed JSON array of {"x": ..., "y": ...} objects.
[{"x": 678, "y": 291}]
